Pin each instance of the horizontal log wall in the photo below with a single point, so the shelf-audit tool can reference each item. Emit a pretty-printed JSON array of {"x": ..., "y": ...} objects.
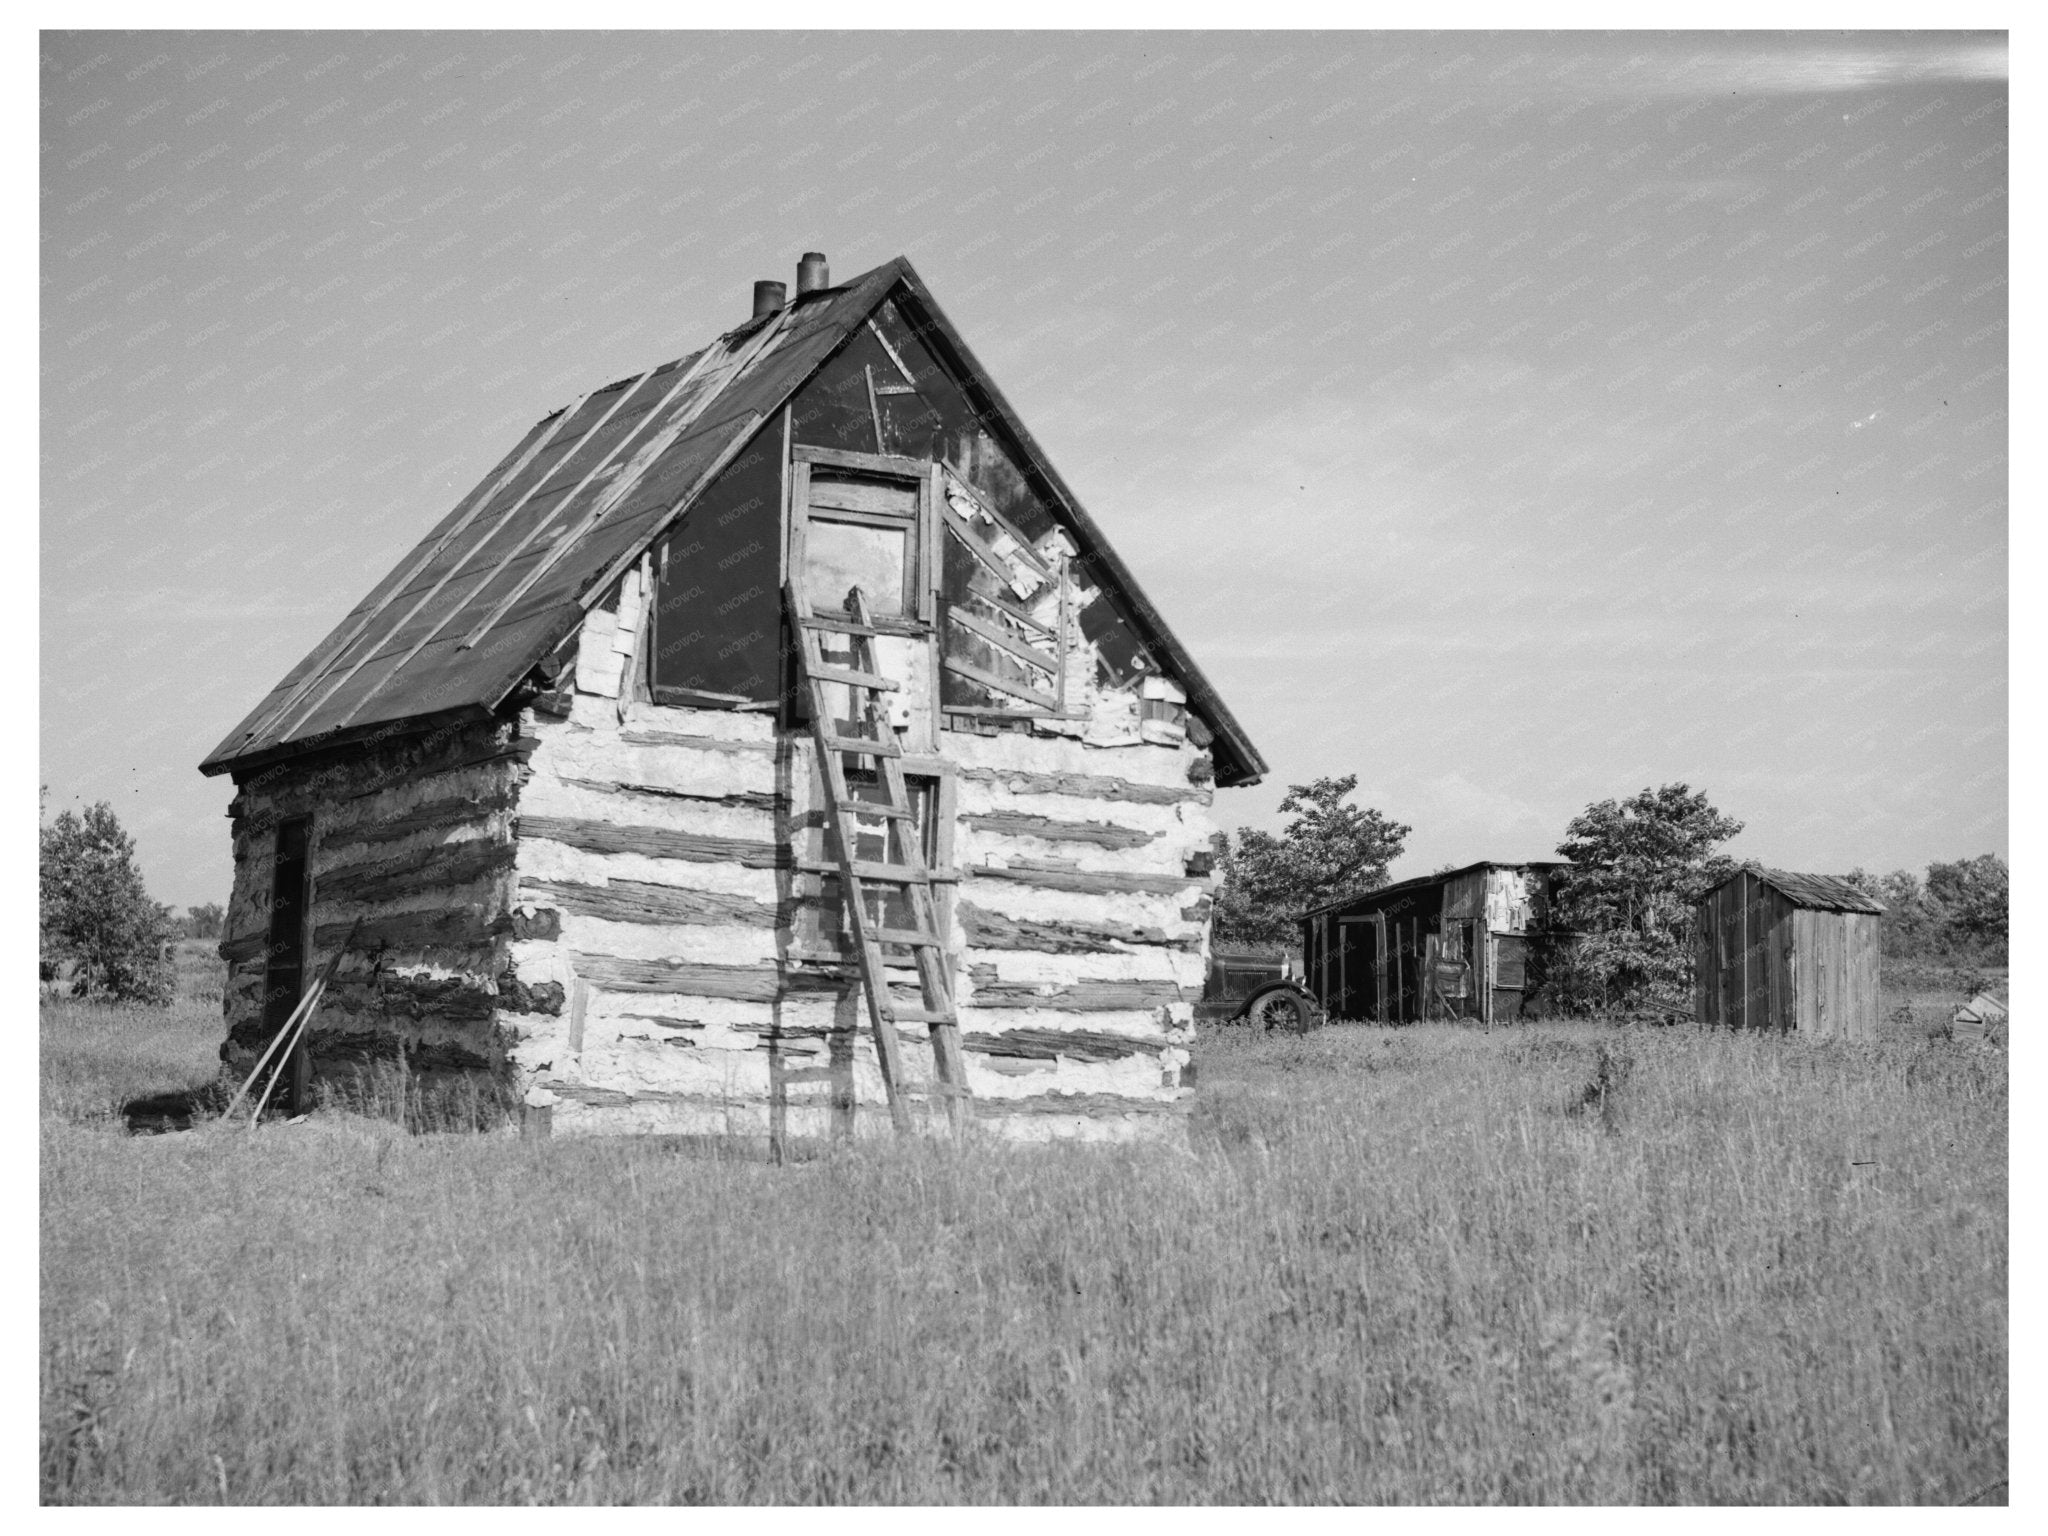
[
  {"x": 1083, "y": 933},
  {"x": 411, "y": 851},
  {"x": 653, "y": 889}
]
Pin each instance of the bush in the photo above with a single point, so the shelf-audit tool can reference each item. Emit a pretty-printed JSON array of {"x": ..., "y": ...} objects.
[
  {"x": 94, "y": 909},
  {"x": 1624, "y": 915}
]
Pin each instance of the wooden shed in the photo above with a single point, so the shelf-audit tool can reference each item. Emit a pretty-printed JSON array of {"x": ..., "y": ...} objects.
[
  {"x": 1777, "y": 950},
  {"x": 1453, "y": 945},
  {"x": 770, "y": 746}
]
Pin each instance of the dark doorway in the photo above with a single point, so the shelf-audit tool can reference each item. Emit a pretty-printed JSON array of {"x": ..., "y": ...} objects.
[
  {"x": 285, "y": 977},
  {"x": 1357, "y": 969}
]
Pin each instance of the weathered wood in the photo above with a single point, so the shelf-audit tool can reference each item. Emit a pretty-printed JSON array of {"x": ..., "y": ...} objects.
[
  {"x": 1009, "y": 644},
  {"x": 1050, "y": 1044},
  {"x": 676, "y": 696},
  {"x": 989, "y": 679},
  {"x": 451, "y": 865},
  {"x": 250, "y": 946},
  {"x": 451, "y": 811},
  {"x": 1079, "y": 996},
  {"x": 356, "y": 770},
  {"x": 556, "y": 703},
  {"x": 462, "y": 927},
  {"x": 458, "y": 1000},
  {"x": 744, "y": 983},
  {"x": 852, "y": 458},
  {"x": 639, "y": 901},
  {"x": 811, "y": 866},
  {"x": 874, "y": 413},
  {"x": 1086, "y": 786},
  {"x": 1098, "y": 882},
  {"x": 864, "y": 496},
  {"x": 579, "y": 1006},
  {"x": 847, "y": 677},
  {"x": 984, "y": 929},
  {"x": 1102, "y": 834},
  {"x": 741, "y": 800},
  {"x": 651, "y": 738},
  {"x": 654, "y": 842},
  {"x": 1094, "y": 1105},
  {"x": 517, "y": 996}
]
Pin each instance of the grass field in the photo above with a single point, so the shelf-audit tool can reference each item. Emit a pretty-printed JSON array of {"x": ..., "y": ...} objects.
[{"x": 1560, "y": 1263}]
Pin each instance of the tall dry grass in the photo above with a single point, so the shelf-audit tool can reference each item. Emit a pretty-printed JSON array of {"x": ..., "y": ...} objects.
[{"x": 1542, "y": 1265}]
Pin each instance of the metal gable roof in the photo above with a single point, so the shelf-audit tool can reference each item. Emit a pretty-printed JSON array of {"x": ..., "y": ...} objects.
[{"x": 505, "y": 577}]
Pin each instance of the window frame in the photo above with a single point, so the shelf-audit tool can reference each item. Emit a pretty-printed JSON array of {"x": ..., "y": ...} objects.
[
  {"x": 918, "y": 522},
  {"x": 809, "y": 941},
  {"x": 1026, "y": 704}
]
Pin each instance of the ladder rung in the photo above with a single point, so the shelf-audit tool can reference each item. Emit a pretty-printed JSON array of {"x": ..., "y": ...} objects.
[
  {"x": 888, "y": 874},
  {"x": 811, "y": 866},
  {"x": 876, "y": 809},
  {"x": 807, "y": 1074},
  {"x": 836, "y": 625},
  {"x": 825, "y": 673},
  {"x": 865, "y": 746}
]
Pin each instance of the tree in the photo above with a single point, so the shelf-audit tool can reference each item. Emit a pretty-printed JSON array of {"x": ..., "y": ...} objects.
[
  {"x": 1328, "y": 851},
  {"x": 202, "y": 921},
  {"x": 1972, "y": 896},
  {"x": 1637, "y": 867},
  {"x": 1958, "y": 915},
  {"x": 94, "y": 909}
]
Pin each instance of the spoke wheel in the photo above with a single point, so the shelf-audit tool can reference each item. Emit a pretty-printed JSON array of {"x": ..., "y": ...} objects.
[{"x": 1283, "y": 1008}]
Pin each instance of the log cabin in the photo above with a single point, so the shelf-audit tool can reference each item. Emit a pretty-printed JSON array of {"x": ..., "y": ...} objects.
[{"x": 770, "y": 747}]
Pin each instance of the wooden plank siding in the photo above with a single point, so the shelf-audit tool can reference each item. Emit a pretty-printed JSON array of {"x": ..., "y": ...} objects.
[{"x": 1765, "y": 960}]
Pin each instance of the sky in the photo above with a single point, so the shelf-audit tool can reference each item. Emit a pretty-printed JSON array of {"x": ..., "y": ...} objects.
[{"x": 1511, "y": 420}]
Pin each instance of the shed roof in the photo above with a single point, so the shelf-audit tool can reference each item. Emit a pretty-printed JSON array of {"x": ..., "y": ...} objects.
[
  {"x": 504, "y": 579},
  {"x": 1823, "y": 893},
  {"x": 1373, "y": 898}
]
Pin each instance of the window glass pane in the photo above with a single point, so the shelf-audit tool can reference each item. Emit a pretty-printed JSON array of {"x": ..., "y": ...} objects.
[{"x": 839, "y": 556}]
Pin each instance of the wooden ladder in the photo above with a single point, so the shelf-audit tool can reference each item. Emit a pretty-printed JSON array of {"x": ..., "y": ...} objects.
[{"x": 935, "y": 1008}]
